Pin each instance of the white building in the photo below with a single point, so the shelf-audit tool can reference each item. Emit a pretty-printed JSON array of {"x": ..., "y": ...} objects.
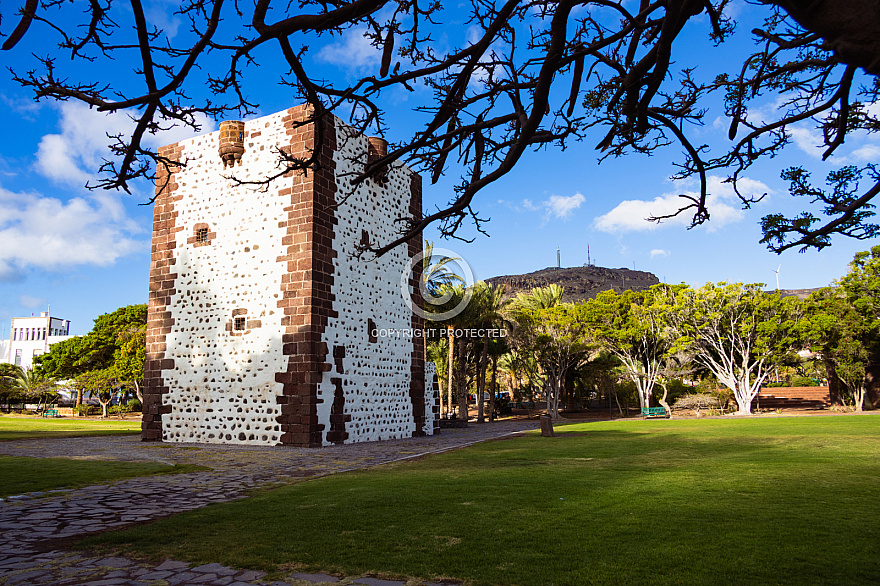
[{"x": 32, "y": 336}]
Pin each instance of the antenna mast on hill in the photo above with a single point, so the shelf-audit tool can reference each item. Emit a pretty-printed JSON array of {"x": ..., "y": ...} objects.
[
  {"x": 589, "y": 262},
  {"x": 558, "y": 260}
]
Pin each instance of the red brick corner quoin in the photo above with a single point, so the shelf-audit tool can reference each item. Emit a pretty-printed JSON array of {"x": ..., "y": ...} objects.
[
  {"x": 307, "y": 299},
  {"x": 417, "y": 362},
  {"x": 162, "y": 277}
]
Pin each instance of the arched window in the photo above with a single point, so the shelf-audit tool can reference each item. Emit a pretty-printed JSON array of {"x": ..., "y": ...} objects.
[{"x": 202, "y": 235}]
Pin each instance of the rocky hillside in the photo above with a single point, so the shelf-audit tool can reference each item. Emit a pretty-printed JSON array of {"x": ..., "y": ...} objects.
[
  {"x": 579, "y": 282},
  {"x": 802, "y": 293}
]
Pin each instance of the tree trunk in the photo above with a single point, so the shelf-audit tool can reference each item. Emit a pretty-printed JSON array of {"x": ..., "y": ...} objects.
[
  {"x": 872, "y": 382},
  {"x": 462, "y": 379},
  {"x": 450, "y": 373},
  {"x": 494, "y": 392},
  {"x": 662, "y": 400},
  {"x": 481, "y": 380},
  {"x": 744, "y": 406},
  {"x": 834, "y": 394},
  {"x": 79, "y": 400}
]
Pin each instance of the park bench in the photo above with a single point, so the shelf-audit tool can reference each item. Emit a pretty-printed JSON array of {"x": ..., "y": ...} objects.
[
  {"x": 51, "y": 413},
  {"x": 654, "y": 412}
]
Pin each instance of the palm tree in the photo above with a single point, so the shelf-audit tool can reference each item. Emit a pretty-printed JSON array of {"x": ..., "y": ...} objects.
[
  {"x": 489, "y": 306},
  {"x": 452, "y": 294},
  {"x": 436, "y": 275},
  {"x": 540, "y": 297},
  {"x": 8, "y": 389},
  {"x": 33, "y": 385}
]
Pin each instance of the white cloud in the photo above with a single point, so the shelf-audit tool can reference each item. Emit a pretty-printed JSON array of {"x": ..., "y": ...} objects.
[
  {"x": 735, "y": 8},
  {"x": 31, "y": 302},
  {"x": 44, "y": 232},
  {"x": 561, "y": 207},
  {"x": 557, "y": 206},
  {"x": 57, "y": 160},
  {"x": 161, "y": 14},
  {"x": 631, "y": 215},
  {"x": 659, "y": 252},
  {"x": 808, "y": 140},
  {"x": 354, "y": 51},
  {"x": 867, "y": 153},
  {"x": 73, "y": 157},
  {"x": 27, "y": 108}
]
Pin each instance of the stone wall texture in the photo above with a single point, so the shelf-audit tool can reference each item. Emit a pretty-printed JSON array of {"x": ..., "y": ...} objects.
[{"x": 264, "y": 326}]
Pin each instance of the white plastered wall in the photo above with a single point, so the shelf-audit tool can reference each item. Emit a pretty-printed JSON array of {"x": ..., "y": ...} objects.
[
  {"x": 376, "y": 377},
  {"x": 431, "y": 397},
  {"x": 223, "y": 387}
]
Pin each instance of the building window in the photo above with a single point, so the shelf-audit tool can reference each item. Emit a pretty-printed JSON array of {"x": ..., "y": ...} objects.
[
  {"x": 239, "y": 324},
  {"x": 18, "y": 357},
  {"x": 201, "y": 235}
]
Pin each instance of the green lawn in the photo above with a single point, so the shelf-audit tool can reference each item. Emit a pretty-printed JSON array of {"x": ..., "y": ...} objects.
[
  {"x": 752, "y": 501},
  {"x": 14, "y": 428},
  {"x": 21, "y": 475}
]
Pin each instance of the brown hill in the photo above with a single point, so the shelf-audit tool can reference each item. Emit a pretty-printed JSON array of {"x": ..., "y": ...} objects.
[
  {"x": 579, "y": 282},
  {"x": 801, "y": 293}
]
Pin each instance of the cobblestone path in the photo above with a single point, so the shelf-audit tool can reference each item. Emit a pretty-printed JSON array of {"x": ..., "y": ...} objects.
[{"x": 26, "y": 521}]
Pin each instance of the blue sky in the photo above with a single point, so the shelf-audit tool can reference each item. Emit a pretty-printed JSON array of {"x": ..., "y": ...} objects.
[{"x": 87, "y": 252}]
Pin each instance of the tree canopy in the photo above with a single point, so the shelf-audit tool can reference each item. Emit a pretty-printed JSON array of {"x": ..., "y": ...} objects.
[
  {"x": 845, "y": 324},
  {"x": 736, "y": 331},
  {"x": 534, "y": 73},
  {"x": 633, "y": 326},
  {"x": 112, "y": 353}
]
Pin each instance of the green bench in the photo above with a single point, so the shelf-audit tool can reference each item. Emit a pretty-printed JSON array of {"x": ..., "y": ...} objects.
[
  {"x": 654, "y": 412},
  {"x": 51, "y": 413}
]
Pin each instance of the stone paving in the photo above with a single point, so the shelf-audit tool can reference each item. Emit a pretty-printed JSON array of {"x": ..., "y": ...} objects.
[{"x": 28, "y": 522}]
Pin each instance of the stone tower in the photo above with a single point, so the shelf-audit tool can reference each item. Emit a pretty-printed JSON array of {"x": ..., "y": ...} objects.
[{"x": 263, "y": 323}]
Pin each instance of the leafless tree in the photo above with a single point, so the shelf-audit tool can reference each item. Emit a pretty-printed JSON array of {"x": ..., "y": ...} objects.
[{"x": 539, "y": 73}]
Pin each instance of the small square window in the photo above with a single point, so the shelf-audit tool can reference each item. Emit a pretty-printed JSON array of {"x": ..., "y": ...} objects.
[
  {"x": 239, "y": 324},
  {"x": 202, "y": 235}
]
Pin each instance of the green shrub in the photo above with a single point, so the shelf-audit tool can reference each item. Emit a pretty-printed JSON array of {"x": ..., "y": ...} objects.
[
  {"x": 84, "y": 410},
  {"x": 802, "y": 381},
  {"x": 132, "y": 406}
]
